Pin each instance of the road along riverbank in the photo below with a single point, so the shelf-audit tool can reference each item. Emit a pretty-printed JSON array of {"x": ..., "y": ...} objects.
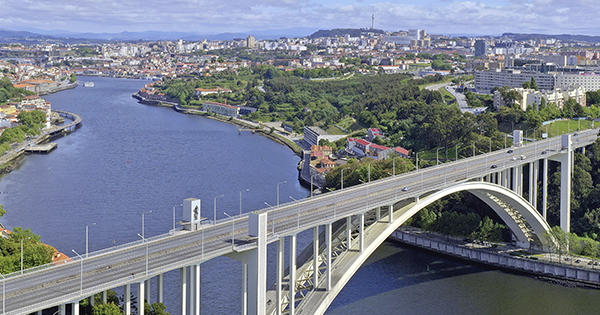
[{"x": 503, "y": 256}]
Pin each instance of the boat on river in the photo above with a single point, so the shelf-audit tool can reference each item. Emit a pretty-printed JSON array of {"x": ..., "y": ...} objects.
[{"x": 88, "y": 84}]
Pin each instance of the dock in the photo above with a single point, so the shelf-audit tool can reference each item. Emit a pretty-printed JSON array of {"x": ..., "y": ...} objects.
[{"x": 41, "y": 148}]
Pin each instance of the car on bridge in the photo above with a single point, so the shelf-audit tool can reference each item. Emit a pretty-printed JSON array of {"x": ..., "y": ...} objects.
[
  {"x": 494, "y": 166},
  {"x": 514, "y": 158},
  {"x": 509, "y": 151},
  {"x": 405, "y": 188},
  {"x": 523, "y": 157}
]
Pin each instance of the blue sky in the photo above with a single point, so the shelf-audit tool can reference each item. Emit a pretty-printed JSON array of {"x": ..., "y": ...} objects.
[{"x": 217, "y": 16}]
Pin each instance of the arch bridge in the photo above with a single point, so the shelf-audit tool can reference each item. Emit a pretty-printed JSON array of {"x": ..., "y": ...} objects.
[{"x": 347, "y": 226}]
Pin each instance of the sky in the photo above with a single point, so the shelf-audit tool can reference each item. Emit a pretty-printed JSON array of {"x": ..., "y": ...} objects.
[{"x": 445, "y": 17}]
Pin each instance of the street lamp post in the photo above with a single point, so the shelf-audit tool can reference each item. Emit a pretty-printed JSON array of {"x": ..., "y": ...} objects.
[
  {"x": 285, "y": 181},
  {"x": 437, "y": 157},
  {"x": 334, "y": 201},
  {"x": 174, "y": 216},
  {"x": 456, "y": 153},
  {"x": 232, "y": 230},
  {"x": 86, "y": 240},
  {"x": 22, "y": 253},
  {"x": 81, "y": 268},
  {"x": 311, "y": 185},
  {"x": 298, "y": 212},
  {"x": 143, "y": 223},
  {"x": 145, "y": 241},
  {"x": 248, "y": 189},
  {"x": 215, "y": 216}
]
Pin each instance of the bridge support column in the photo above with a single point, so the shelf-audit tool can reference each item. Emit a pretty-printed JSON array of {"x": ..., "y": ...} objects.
[
  {"x": 536, "y": 173},
  {"x": 63, "y": 309},
  {"x": 361, "y": 231},
  {"x": 391, "y": 214},
  {"x": 280, "y": 265},
  {"x": 160, "y": 288},
  {"x": 530, "y": 192},
  {"x": 147, "y": 287},
  {"x": 316, "y": 256},
  {"x": 104, "y": 296},
  {"x": 196, "y": 289},
  {"x": 377, "y": 214},
  {"x": 141, "y": 296},
  {"x": 92, "y": 300},
  {"x": 499, "y": 178},
  {"x": 256, "y": 261},
  {"x": 565, "y": 190},
  {"x": 515, "y": 186},
  {"x": 127, "y": 303},
  {"x": 545, "y": 189},
  {"x": 520, "y": 179},
  {"x": 244, "y": 310},
  {"x": 292, "y": 290},
  {"x": 75, "y": 308},
  {"x": 183, "y": 290},
  {"x": 328, "y": 241},
  {"x": 349, "y": 232}
]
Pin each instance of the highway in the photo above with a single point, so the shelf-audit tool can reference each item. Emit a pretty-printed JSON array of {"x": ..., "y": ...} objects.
[{"x": 110, "y": 268}]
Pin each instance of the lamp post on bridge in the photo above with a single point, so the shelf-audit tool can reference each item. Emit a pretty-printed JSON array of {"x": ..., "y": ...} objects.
[
  {"x": 437, "y": 158},
  {"x": 232, "y": 230},
  {"x": 215, "y": 215},
  {"x": 81, "y": 268},
  {"x": 174, "y": 216},
  {"x": 22, "y": 253},
  {"x": 145, "y": 241},
  {"x": 298, "y": 211},
  {"x": 143, "y": 223},
  {"x": 248, "y": 189},
  {"x": 86, "y": 240},
  {"x": 285, "y": 181}
]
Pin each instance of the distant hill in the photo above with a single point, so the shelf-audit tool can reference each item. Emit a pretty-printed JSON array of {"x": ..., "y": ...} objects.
[
  {"x": 336, "y": 32},
  {"x": 562, "y": 37},
  {"x": 40, "y": 36}
]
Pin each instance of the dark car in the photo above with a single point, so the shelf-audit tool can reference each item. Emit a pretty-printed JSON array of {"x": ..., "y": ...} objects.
[
  {"x": 544, "y": 152},
  {"x": 494, "y": 166},
  {"x": 509, "y": 151}
]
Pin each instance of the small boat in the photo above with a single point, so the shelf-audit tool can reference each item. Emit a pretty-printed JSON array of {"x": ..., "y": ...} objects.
[{"x": 88, "y": 84}]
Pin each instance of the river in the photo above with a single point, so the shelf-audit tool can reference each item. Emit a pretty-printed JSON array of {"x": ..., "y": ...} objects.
[{"x": 128, "y": 159}]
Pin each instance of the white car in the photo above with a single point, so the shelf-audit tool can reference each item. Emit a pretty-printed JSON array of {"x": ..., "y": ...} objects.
[
  {"x": 514, "y": 158},
  {"x": 405, "y": 188}
]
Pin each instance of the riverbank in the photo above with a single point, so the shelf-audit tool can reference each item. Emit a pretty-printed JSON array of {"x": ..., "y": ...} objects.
[
  {"x": 243, "y": 124},
  {"x": 541, "y": 265}
]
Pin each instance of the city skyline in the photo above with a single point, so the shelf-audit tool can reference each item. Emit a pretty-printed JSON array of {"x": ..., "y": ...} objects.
[{"x": 446, "y": 17}]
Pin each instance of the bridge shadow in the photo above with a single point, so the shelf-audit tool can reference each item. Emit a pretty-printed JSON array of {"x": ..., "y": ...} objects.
[{"x": 395, "y": 266}]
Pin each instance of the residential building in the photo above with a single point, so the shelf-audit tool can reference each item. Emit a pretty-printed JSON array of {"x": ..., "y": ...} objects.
[
  {"x": 313, "y": 134},
  {"x": 221, "y": 109},
  {"x": 589, "y": 81},
  {"x": 481, "y": 48},
  {"x": 217, "y": 90},
  {"x": 485, "y": 81},
  {"x": 530, "y": 97}
]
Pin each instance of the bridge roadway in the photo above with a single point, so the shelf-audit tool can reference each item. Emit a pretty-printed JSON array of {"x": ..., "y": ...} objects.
[{"x": 114, "y": 267}]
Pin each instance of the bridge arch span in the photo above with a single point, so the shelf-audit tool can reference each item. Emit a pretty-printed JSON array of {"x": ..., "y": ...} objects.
[{"x": 502, "y": 200}]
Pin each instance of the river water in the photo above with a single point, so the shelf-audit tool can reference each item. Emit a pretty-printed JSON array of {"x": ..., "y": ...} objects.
[{"x": 129, "y": 158}]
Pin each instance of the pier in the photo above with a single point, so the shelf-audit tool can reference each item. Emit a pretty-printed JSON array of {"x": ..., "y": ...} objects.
[{"x": 41, "y": 148}]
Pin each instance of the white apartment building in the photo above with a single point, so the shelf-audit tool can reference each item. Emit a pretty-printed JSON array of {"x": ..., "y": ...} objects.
[
  {"x": 589, "y": 81},
  {"x": 530, "y": 97},
  {"x": 485, "y": 81}
]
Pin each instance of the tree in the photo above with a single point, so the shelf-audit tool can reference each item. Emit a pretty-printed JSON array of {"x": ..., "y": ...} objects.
[
  {"x": 533, "y": 84},
  {"x": 107, "y": 309},
  {"x": 73, "y": 78},
  {"x": 557, "y": 240}
]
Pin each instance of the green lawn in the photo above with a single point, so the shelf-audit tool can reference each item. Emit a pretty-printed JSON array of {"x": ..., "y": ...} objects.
[{"x": 560, "y": 127}]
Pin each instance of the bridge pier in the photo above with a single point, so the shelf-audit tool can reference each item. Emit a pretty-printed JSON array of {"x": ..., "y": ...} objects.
[
  {"x": 160, "y": 288},
  {"x": 183, "y": 289},
  {"x": 316, "y": 256},
  {"x": 328, "y": 249},
  {"x": 146, "y": 291},
  {"x": 536, "y": 173},
  {"x": 566, "y": 170},
  {"x": 141, "y": 296},
  {"x": 280, "y": 265},
  {"x": 391, "y": 213},
  {"x": 75, "y": 308},
  {"x": 361, "y": 232},
  {"x": 349, "y": 232},
  {"x": 127, "y": 303},
  {"x": 545, "y": 189},
  {"x": 292, "y": 285}
]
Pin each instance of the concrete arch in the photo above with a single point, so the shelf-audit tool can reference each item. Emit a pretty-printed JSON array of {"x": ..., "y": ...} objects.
[{"x": 487, "y": 192}]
